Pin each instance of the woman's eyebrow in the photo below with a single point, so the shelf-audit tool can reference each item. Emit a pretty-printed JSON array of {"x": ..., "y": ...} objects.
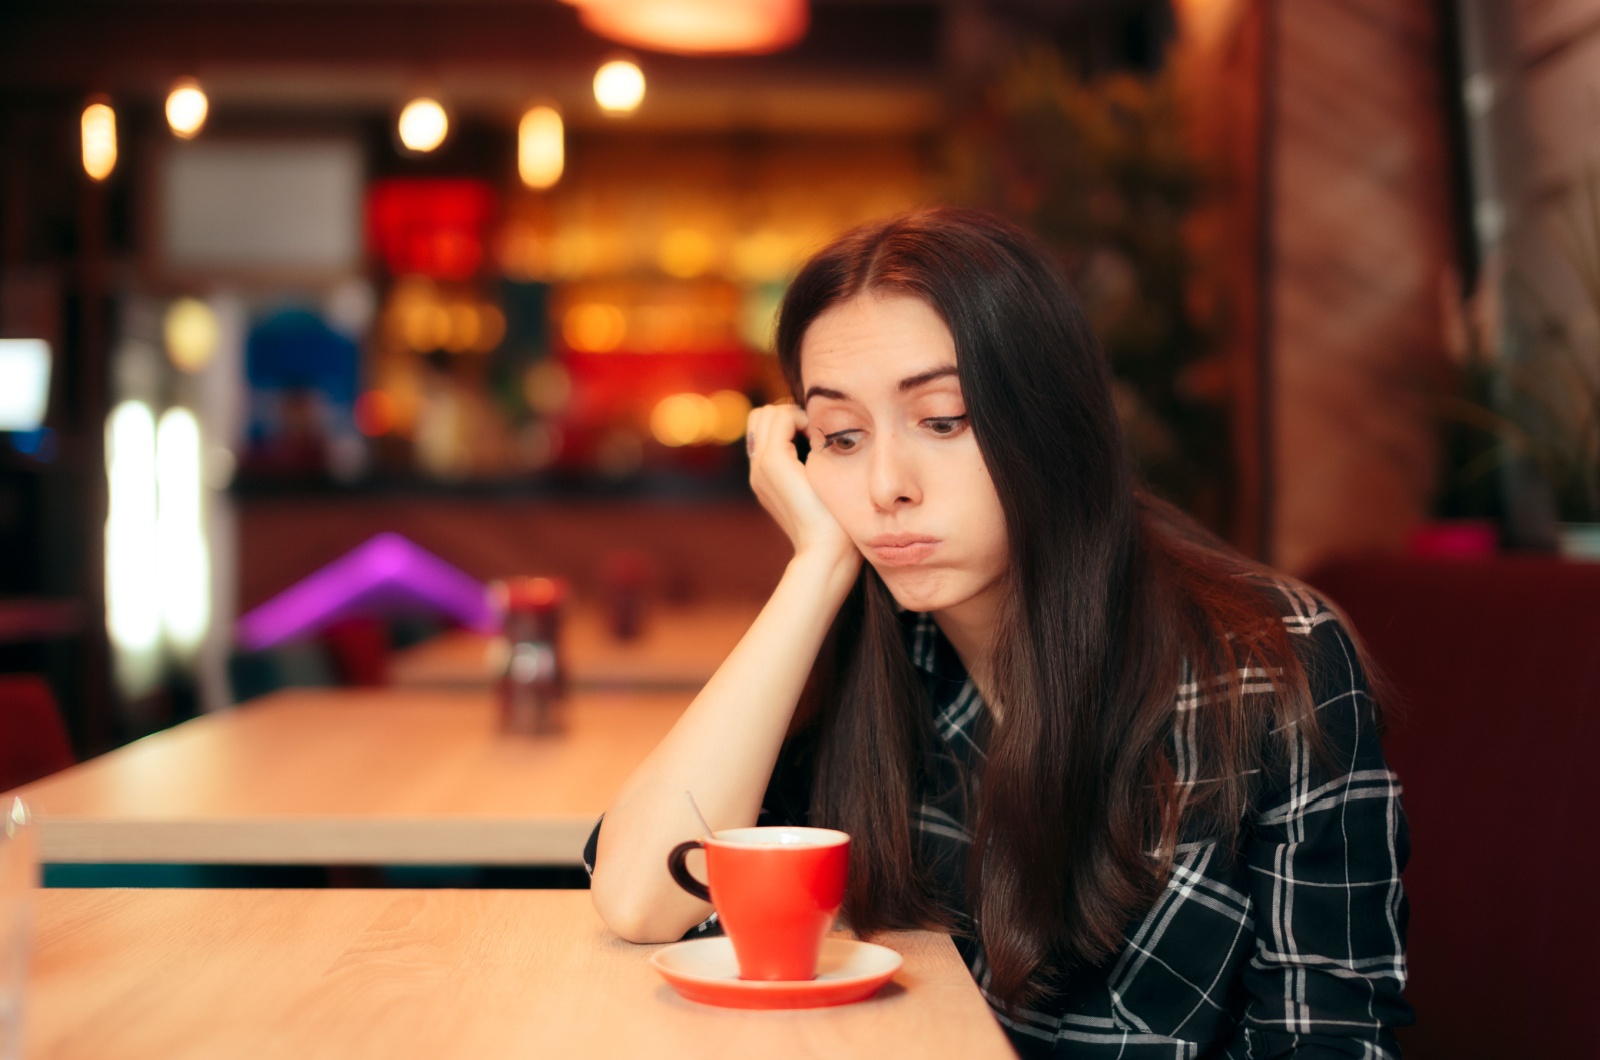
[
  {"x": 910, "y": 382},
  {"x": 914, "y": 381},
  {"x": 823, "y": 392}
]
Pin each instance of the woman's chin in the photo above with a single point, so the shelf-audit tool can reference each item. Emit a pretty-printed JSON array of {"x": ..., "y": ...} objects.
[{"x": 920, "y": 590}]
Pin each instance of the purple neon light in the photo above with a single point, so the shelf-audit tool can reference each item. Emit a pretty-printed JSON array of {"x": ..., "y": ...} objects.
[{"x": 386, "y": 573}]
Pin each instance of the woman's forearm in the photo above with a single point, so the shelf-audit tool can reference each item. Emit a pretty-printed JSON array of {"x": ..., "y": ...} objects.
[{"x": 723, "y": 749}]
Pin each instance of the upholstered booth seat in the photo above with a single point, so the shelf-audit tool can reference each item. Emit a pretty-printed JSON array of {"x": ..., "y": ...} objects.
[{"x": 1495, "y": 733}]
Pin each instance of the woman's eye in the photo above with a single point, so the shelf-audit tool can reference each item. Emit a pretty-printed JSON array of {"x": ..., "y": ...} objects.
[
  {"x": 844, "y": 441},
  {"x": 945, "y": 425}
]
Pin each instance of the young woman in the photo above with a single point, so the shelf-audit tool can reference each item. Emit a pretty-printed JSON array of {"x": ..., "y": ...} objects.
[{"x": 1136, "y": 776}]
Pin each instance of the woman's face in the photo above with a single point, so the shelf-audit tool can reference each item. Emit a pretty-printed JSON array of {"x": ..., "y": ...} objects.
[{"x": 893, "y": 456}]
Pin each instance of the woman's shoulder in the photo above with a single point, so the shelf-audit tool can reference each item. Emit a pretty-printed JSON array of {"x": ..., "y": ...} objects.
[
  {"x": 1318, "y": 631},
  {"x": 1337, "y": 673}
]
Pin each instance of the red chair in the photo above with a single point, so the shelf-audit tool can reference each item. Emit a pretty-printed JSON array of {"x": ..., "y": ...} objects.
[
  {"x": 1496, "y": 666},
  {"x": 33, "y": 742}
]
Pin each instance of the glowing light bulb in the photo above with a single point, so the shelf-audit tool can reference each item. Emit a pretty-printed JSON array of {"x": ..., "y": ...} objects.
[
  {"x": 699, "y": 27},
  {"x": 99, "y": 140},
  {"x": 619, "y": 87},
  {"x": 423, "y": 125},
  {"x": 541, "y": 152},
  {"x": 186, "y": 109}
]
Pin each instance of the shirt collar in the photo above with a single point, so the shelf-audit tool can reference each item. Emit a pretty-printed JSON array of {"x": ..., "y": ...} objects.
[{"x": 931, "y": 651}]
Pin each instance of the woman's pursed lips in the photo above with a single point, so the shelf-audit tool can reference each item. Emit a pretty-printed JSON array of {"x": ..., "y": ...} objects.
[{"x": 895, "y": 549}]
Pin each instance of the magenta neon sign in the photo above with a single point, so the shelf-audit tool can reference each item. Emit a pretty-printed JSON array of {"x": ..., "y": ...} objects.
[{"x": 385, "y": 575}]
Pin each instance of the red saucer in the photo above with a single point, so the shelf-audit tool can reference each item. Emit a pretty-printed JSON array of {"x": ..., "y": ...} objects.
[{"x": 706, "y": 971}]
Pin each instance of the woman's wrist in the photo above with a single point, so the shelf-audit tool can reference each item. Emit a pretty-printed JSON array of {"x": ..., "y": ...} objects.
[{"x": 833, "y": 571}]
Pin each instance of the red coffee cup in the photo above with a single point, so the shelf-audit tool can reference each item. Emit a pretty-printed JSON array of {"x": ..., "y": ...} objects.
[{"x": 776, "y": 890}]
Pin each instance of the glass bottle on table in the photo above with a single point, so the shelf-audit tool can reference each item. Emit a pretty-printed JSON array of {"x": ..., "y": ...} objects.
[{"x": 533, "y": 680}]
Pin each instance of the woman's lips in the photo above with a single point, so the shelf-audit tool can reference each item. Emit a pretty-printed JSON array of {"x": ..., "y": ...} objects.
[{"x": 897, "y": 550}]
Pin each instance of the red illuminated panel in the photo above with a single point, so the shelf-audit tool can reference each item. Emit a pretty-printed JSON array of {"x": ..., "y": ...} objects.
[
  {"x": 612, "y": 386},
  {"x": 619, "y": 389},
  {"x": 434, "y": 228}
]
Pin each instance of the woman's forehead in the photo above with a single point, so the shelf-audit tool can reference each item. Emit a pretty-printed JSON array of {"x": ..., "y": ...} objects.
[{"x": 876, "y": 342}]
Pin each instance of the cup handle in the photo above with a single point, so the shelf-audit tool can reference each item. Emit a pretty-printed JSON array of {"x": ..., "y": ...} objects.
[{"x": 680, "y": 871}]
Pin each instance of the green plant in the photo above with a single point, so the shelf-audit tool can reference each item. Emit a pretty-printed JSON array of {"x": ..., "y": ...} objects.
[{"x": 1530, "y": 387}]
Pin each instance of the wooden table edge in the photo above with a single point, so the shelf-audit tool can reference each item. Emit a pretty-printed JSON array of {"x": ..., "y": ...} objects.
[{"x": 316, "y": 840}]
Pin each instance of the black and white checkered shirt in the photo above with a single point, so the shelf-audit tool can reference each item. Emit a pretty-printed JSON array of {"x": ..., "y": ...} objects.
[{"x": 1294, "y": 947}]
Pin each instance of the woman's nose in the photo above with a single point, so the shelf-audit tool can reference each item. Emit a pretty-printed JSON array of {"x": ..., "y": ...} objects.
[{"x": 893, "y": 482}]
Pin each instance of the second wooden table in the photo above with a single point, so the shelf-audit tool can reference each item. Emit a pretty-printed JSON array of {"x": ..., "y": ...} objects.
[
  {"x": 679, "y": 648},
  {"x": 353, "y": 777}
]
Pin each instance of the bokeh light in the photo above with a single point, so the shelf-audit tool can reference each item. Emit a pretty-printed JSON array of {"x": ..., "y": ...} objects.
[
  {"x": 425, "y": 326},
  {"x": 191, "y": 334},
  {"x": 99, "y": 140},
  {"x": 133, "y": 581},
  {"x": 619, "y": 86},
  {"x": 187, "y": 107},
  {"x": 183, "y": 557},
  {"x": 541, "y": 150},
  {"x": 731, "y": 413},
  {"x": 426, "y": 319},
  {"x": 423, "y": 125},
  {"x": 683, "y": 419},
  {"x": 594, "y": 327}
]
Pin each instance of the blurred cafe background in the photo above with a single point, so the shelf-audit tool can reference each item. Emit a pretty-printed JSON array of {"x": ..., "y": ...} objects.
[{"x": 487, "y": 288}]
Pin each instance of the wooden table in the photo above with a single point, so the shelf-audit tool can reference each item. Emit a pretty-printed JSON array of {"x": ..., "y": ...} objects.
[
  {"x": 678, "y": 648},
  {"x": 172, "y": 974},
  {"x": 353, "y": 777}
]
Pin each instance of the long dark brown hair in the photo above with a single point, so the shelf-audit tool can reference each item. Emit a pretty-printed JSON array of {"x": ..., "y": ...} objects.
[{"x": 1111, "y": 595}]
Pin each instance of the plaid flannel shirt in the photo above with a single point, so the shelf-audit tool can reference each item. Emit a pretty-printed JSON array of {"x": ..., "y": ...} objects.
[{"x": 1294, "y": 947}]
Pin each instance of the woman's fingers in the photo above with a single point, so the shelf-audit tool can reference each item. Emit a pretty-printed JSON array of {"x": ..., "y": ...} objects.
[
  {"x": 780, "y": 483},
  {"x": 770, "y": 428},
  {"x": 773, "y": 458}
]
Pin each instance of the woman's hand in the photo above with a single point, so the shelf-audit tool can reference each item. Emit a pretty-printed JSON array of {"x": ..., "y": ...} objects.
[{"x": 780, "y": 484}]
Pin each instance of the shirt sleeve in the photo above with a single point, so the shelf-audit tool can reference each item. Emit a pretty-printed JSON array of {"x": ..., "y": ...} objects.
[
  {"x": 1323, "y": 861},
  {"x": 787, "y": 801}
]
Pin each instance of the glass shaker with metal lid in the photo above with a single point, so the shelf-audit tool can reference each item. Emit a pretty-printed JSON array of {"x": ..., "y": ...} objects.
[{"x": 533, "y": 681}]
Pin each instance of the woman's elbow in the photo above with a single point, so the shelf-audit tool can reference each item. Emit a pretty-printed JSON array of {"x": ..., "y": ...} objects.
[{"x": 630, "y": 918}]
